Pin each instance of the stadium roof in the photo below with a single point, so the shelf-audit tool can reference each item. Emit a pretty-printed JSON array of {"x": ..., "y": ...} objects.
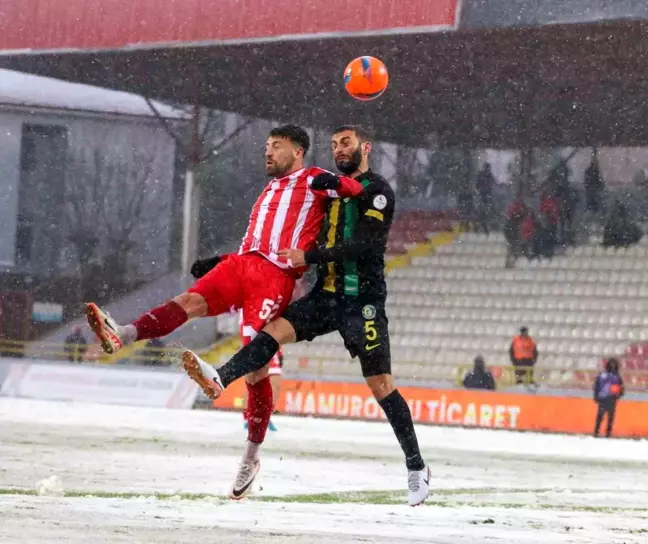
[
  {"x": 27, "y": 90},
  {"x": 523, "y": 13},
  {"x": 552, "y": 85},
  {"x": 86, "y": 25}
]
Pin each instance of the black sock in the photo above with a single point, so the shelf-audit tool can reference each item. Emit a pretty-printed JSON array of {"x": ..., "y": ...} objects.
[
  {"x": 399, "y": 416},
  {"x": 254, "y": 356}
]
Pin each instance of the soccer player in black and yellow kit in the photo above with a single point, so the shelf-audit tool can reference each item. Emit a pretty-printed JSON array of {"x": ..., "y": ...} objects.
[{"x": 348, "y": 297}]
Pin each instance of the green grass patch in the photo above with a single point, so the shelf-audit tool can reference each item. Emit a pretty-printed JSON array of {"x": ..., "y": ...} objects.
[{"x": 440, "y": 498}]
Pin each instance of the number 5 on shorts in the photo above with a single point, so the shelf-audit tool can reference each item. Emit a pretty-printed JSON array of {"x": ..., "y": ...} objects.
[
  {"x": 370, "y": 331},
  {"x": 268, "y": 309}
]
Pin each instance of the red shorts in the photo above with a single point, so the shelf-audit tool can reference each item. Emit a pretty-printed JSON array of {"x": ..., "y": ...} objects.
[{"x": 250, "y": 283}]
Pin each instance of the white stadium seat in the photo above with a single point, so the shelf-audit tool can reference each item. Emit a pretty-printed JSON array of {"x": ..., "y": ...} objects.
[{"x": 461, "y": 301}]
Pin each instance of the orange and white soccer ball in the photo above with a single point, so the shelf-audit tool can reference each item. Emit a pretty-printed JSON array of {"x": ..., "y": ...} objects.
[{"x": 366, "y": 78}]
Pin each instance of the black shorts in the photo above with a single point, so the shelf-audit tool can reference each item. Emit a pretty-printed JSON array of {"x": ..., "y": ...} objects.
[{"x": 363, "y": 327}]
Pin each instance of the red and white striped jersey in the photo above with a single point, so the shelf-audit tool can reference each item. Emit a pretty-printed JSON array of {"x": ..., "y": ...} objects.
[{"x": 289, "y": 214}]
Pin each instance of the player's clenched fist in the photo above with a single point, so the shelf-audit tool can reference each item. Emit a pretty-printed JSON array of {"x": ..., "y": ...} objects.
[
  {"x": 296, "y": 257},
  {"x": 325, "y": 182},
  {"x": 202, "y": 266}
]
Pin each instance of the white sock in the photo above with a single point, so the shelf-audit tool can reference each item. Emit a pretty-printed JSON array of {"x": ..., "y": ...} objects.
[
  {"x": 251, "y": 452},
  {"x": 127, "y": 333}
]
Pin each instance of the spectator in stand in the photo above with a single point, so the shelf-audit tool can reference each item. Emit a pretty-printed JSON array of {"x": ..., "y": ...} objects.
[
  {"x": 518, "y": 207},
  {"x": 475, "y": 219},
  {"x": 594, "y": 187},
  {"x": 620, "y": 230},
  {"x": 550, "y": 210},
  {"x": 479, "y": 377},
  {"x": 524, "y": 355},
  {"x": 484, "y": 185},
  {"x": 527, "y": 234},
  {"x": 75, "y": 345},
  {"x": 515, "y": 214},
  {"x": 466, "y": 207},
  {"x": 567, "y": 197},
  {"x": 570, "y": 214},
  {"x": 608, "y": 389},
  {"x": 544, "y": 239}
]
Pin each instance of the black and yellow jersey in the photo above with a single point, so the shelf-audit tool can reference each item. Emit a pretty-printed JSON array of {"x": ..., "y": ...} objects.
[{"x": 351, "y": 252}]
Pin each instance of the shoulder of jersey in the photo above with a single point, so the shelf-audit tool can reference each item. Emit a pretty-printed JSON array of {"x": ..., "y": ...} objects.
[
  {"x": 381, "y": 184},
  {"x": 314, "y": 171}
]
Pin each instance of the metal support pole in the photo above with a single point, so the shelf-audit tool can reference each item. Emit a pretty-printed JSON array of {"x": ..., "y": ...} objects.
[{"x": 191, "y": 204}]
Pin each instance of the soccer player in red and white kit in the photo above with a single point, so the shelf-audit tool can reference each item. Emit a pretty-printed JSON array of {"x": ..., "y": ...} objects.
[{"x": 288, "y": 214}]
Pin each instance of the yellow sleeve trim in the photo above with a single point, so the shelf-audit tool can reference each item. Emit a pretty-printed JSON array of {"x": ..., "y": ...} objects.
[{"x": 376, "y": 214}]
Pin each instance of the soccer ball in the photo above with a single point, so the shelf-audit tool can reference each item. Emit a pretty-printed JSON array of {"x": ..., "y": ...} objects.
[{"x": 366, "y": 78}]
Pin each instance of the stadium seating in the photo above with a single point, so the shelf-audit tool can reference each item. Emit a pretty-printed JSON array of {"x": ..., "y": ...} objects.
[
  {"x": 460, "y": 301},
  {"x": 414, "y": 227}
]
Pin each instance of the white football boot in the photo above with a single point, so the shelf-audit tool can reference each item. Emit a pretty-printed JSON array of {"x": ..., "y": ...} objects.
[
  {"x": 248, "y": 471},
  {"x": 105, "y": 328},
  {"x": 203, "y": 374},
  {"x": 418, "y": 485}
]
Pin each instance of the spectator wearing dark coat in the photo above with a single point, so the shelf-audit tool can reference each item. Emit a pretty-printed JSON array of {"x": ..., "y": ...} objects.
[
  {"x": 608, "y": 389},
  {"x": 594, "y": 187},
  {"x": 484, "y": 185},
  {"x": 544, "y": 241},
  {"x": 567, "y": 197},
  {"x": 620, "y": 230},
  {"x": 479, "y": 377},
  {"x": 516, "y": 214}
]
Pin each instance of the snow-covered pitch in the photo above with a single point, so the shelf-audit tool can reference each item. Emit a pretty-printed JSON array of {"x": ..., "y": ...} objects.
[{"x": 79, "y": 473}]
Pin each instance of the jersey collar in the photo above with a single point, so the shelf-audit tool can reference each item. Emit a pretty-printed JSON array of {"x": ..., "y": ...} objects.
[{"x": 295, "y": 174}]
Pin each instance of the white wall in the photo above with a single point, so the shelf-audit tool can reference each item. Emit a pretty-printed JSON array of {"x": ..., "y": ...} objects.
[
  {"x": 128, "y": 139},
  {"x": 10, "y": 130}
]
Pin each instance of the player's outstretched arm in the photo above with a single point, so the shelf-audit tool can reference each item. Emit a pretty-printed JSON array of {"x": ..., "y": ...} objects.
[
  {"x": 336, "y": 186},
  {"x": 374, "y": 211}
]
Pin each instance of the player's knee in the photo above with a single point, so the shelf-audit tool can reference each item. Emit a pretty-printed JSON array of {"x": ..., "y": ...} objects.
[
  {"x": 193, "y": 304},
  {"x": 381, "y": 386},
  {"x": 281, "y": 330},
  {"x": 258, "y": 375}
]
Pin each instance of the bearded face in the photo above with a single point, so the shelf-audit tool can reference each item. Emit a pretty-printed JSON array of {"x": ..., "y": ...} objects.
[{"x": 348, "y": 161}]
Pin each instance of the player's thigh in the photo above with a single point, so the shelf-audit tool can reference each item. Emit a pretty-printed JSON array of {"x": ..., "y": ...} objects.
[
  {"x": 268, "y": 290},
  {"x": 366, "y": 335},
  {"x": 221, "y": 287},
  {"x": 312, "y": 316}
]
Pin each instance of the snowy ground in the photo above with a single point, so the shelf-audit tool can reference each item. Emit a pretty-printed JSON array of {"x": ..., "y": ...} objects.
[{"x": 142, "y": 475}]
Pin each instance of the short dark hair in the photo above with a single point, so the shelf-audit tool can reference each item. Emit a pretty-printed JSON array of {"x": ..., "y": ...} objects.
[
  {"x": 362, "y": 134},
  {"x": 612, "y": 365},
  {"x": 297, "y": 135}
]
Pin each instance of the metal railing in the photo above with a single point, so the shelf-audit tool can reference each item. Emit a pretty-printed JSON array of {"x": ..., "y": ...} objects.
[
  {"x": 77, "y": 353},
  {"x": 509, "y": 376},
  {"x": 504, "y": 375}
]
